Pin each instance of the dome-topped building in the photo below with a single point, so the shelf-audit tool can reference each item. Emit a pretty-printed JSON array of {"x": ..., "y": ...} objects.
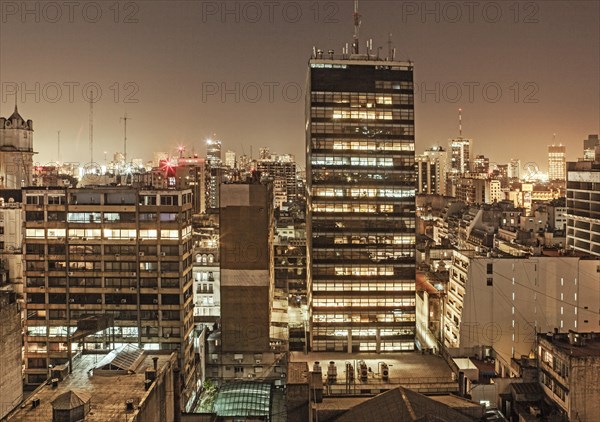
[{"x": 16, "y": 151}]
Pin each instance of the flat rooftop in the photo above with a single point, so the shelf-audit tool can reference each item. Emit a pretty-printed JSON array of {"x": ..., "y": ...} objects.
[
  {"x": 561, "y": 342},
  {"x": 108, "y": 393},
  {"x": 409, "y": 369}
]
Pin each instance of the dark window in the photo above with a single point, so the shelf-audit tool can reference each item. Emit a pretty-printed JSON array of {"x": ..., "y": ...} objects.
[
  {"x": 490, "y": 281},
  {"x": 490, "y": 268}
]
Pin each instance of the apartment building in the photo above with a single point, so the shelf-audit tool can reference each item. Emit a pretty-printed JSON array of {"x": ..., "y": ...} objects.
[
  {"x": 500, "y": 303},
  {"x": 115, "y": 251}
]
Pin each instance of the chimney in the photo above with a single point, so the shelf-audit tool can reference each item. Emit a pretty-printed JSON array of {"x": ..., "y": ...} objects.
[{"x": 155, "y": 361}]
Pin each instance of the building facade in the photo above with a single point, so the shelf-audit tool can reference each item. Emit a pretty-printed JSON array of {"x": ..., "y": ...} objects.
[
  {"x": 361, "y": 204},
  {"x": 16, "y": 151},
  {"x": 583, "y": 207},
  {"x": 11, "y": 378},
  {"x": 501, "y": 303},
  {"x": 121, "y": 252},
  {"x": 557, "y": 162},
  {"x": 569, "y": 366},
  {"x": 460, "y": 155}
]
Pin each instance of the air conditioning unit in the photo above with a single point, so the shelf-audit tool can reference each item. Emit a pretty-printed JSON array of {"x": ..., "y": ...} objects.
[
  {"x": 155, "y": 301},
  {"x": 70, "y": 273},
  {"x": 141, "y": 254},
  {"x": 163, "y": 254},
  {"x": 132, "y": 289},
  {"x": 117, "y": 289},
  {"x": 72, "y": 300},
  {"x": 123, "y": 300},
  {"x": 117, "y": 255},
  {"x": 133, "y": 274},
  {"x": 258, "y": 361},
  {"x": 98, "y": 300}
]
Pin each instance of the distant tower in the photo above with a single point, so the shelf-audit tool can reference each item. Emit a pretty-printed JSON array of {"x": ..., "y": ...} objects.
[
  {"x": 16, "y": 151},
  {"x": 460, "y": 151},
  {"x": 557, "y": 162}
]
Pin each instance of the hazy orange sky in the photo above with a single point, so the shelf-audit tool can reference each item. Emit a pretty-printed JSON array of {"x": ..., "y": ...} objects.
[{"x": 533, "y": 69}]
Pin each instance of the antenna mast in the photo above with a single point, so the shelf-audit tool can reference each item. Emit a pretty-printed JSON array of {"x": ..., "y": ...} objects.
[
  {"x": 58, "y": 149},
  {"x": 460, "y": 122},
  {"x": 91, "y": 126},
  {"x": 356, "y": 27},
  {"x": 124, "y": 119}
]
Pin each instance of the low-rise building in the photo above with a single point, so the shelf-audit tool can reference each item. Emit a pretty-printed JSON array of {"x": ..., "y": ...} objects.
[
  {"x": 569, "y": 372},
  {"x": 126, "y": 384}
]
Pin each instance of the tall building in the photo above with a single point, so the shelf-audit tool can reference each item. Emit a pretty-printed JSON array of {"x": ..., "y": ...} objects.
[
  {"x": 477, "y": 190},
  {"x": 361, "y": 203},
  {"x": 16, "y": 151},
  {"x": 431, "y": 171},
  {"x": 230, "y": 159},
  {"x": 460, "y": 155},
  {"x": 283, "y": 174},
  {"x": 264, "y": 153},
  {"x": 117, "y": 252},
  {"x": 246, "y": 251},
  {"x": 557, "y": 162},
  {"x": 589, "y": 147},
  {"x": 481, "y": 164},
  {"x": 583, "y": 206},
  {"x": 245, "y": 347},
  {"x": 514, "y": 168},
  {"x": 213, "y": 152}
]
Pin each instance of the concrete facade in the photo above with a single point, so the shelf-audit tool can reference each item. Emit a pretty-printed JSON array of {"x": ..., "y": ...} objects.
[
  {"x": 501, "y": 303},
  {"x": 569, "y": 373},
  {"x": 11, "y": 379},
  {"x": 16, "y": 151}
]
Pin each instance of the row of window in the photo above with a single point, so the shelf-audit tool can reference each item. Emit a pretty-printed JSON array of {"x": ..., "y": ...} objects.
[
  {"x": 87, "y": 249},
  {"x": 363, "y": 302},
  {"x": 359, "y": 208},
  {"x": 363, "y": 129},
  {"x": 97, "y": 198},
  {"x": 108, "y": 233},
  {"x": 361, "y": 145},
  {"x": 109, "y": 282},
  {"x": 364, "y": 317},
  {"x": 362, "y": 177},
  {"x": 364, "y": 192},
  {"x": 364, "y": 98},
  {"x": 119, "y": 315},
  {"x": 362, "y": 114},
  {"x": 384, "y": 286},
  {"x": 98, "y": 266}
]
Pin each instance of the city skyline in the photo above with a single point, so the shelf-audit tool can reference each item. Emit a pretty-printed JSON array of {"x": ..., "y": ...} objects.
[{"x": 177, "y": 79}]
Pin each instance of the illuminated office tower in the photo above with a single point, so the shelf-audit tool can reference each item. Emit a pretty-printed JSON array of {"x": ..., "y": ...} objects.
[
  {"x": 361, "y": 203},
  {"x": 514, "y": 169},
  {"x": 557, "y": 162}
]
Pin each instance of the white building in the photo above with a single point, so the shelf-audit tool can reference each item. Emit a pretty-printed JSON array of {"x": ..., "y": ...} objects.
[{"x": 501, "y": 303}]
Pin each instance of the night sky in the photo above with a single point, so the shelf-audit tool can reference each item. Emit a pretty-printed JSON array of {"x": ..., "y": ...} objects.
[{"x": 163, "y": 61}]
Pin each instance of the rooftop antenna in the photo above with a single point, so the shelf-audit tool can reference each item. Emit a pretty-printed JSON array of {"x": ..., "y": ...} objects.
[
  {"x": 553, "y": 139},
  {"x": 58, "y": 149},
  {"x": 356, "y": 27},
  {"x": 91, "y": 126},
  {"x": 460, "y": 122},
  {"x": 124, "y": 119},
  {"x": 390, "y": 46}
]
